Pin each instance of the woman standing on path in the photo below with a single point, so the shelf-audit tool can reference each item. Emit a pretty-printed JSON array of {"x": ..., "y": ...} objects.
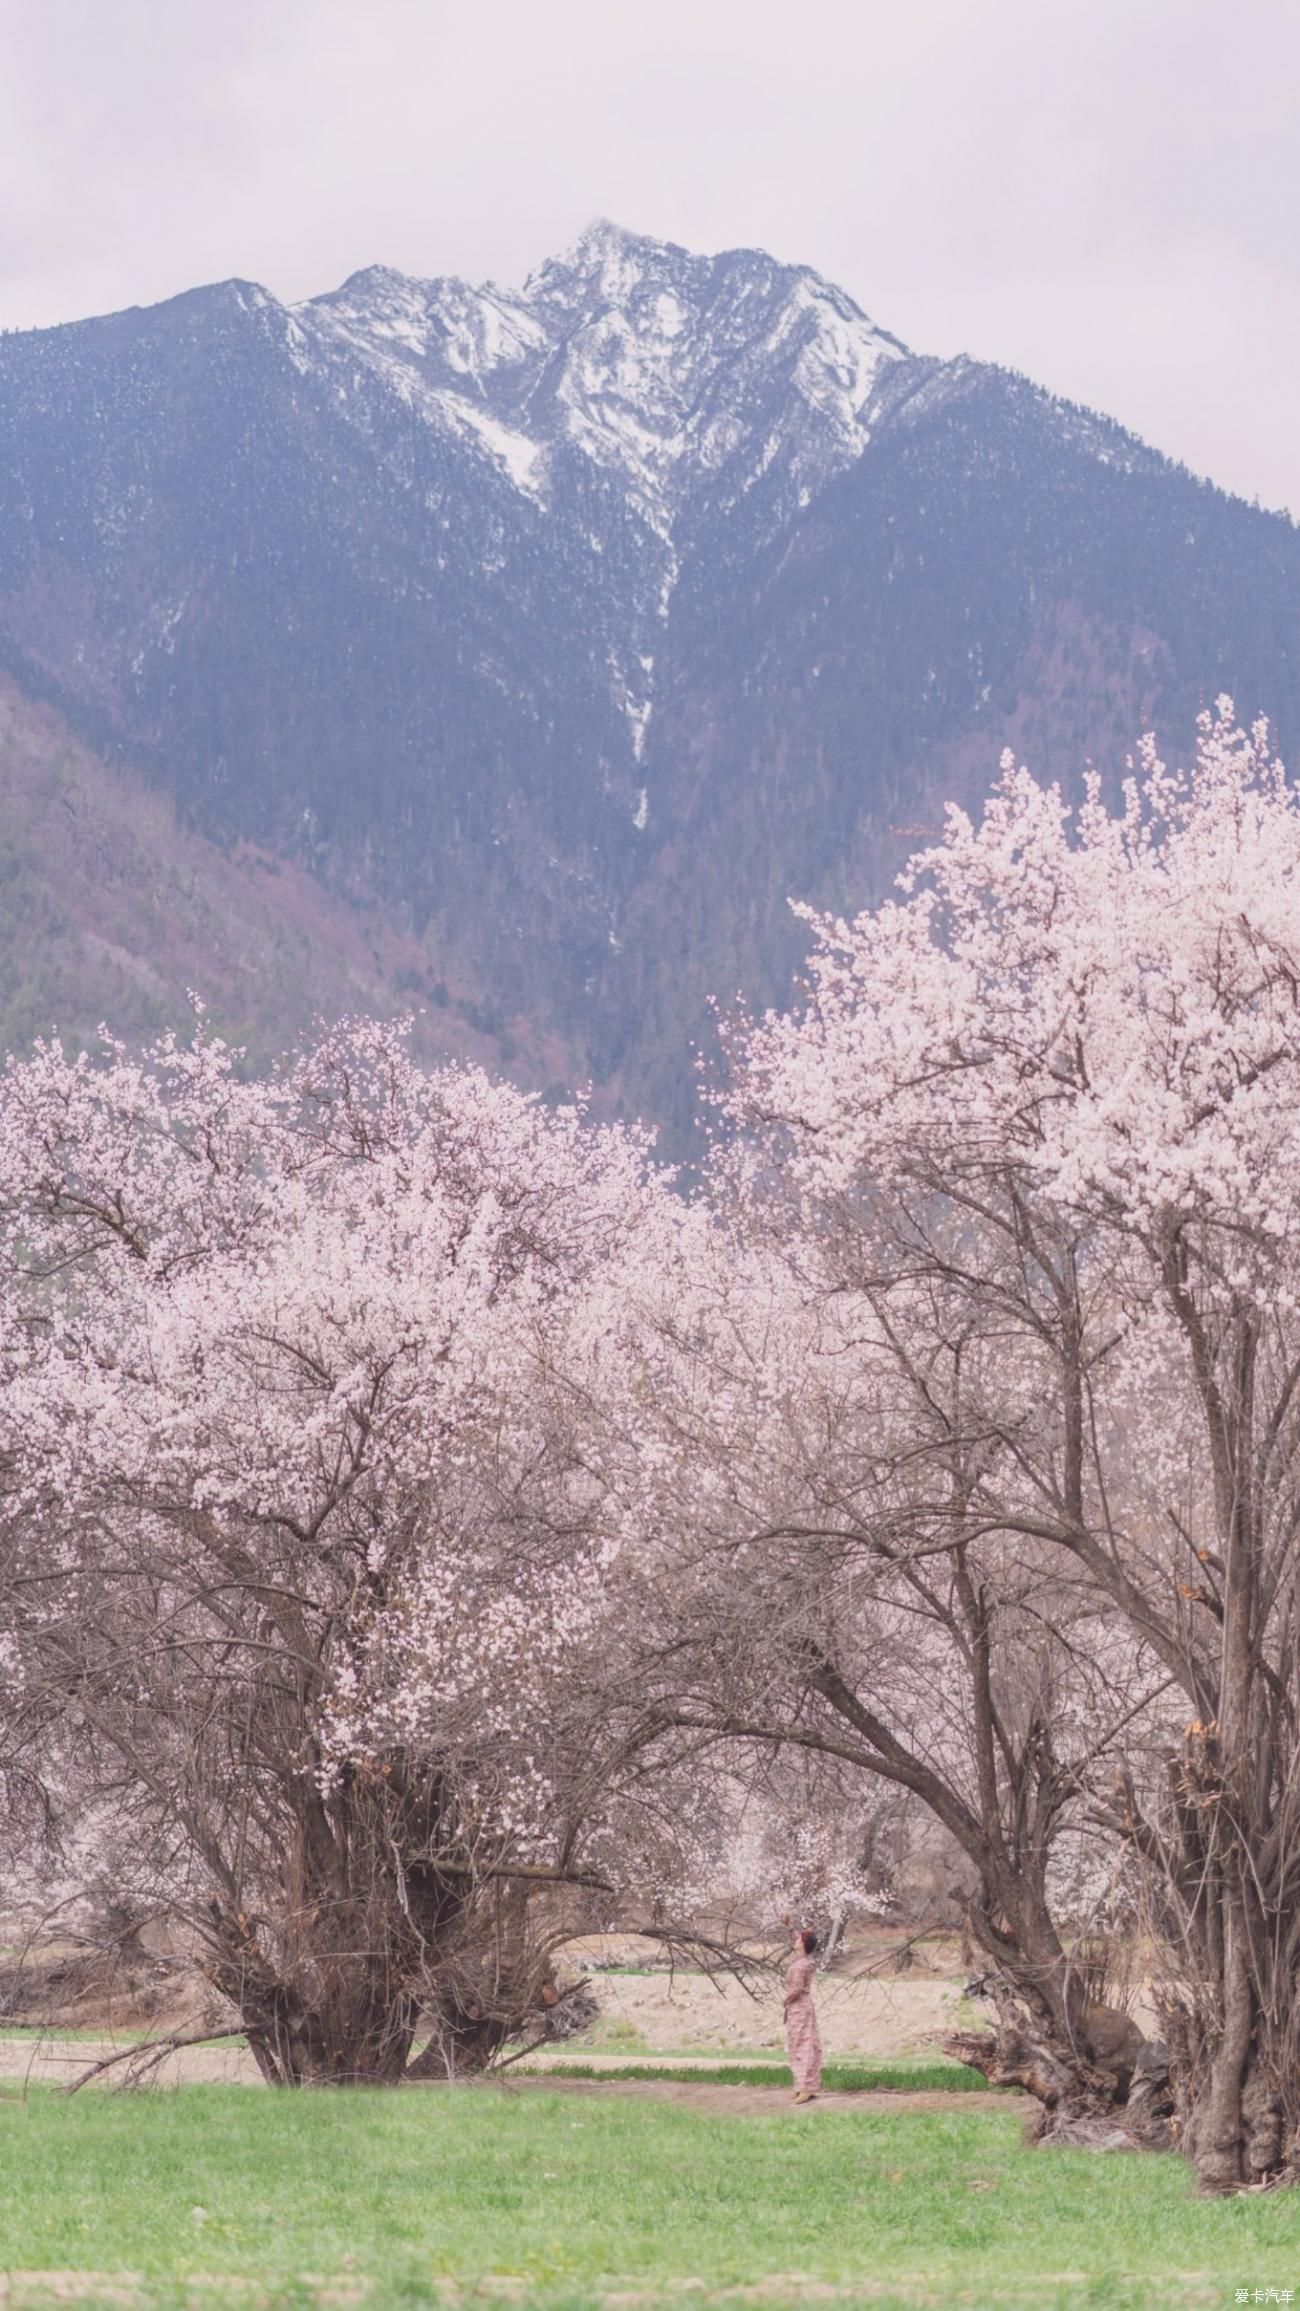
[{"x": 802, "y": 2037}]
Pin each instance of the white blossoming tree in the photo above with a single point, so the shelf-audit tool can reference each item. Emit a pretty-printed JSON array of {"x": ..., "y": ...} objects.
[
  {"x": 301, "y": 1541},
  {"x": 1047, "y": 1105}
]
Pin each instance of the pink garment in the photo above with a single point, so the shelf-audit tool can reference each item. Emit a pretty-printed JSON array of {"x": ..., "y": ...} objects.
[{"x": 802, "y": 2037}]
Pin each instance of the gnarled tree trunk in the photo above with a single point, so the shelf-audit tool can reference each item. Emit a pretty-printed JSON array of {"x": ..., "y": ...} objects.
[
  {"x": 1107, "y": 2088},
  {"x": 379, "y": 1925}
]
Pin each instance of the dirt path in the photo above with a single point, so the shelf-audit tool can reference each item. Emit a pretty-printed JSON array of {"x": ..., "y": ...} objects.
[
  {"x": 49, "y": 2063},
  {"x": 756, "y": 2101},
  {"x": 651, "y": 2019}
]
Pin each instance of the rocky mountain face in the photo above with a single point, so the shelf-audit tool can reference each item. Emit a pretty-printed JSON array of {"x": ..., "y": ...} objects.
[{"x": 567, "y": 632}]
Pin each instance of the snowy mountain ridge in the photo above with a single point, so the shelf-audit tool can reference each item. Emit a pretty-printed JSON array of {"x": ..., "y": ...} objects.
[
  {"x": 677, "y": 381},
  {"x": 667, "y": 371}
]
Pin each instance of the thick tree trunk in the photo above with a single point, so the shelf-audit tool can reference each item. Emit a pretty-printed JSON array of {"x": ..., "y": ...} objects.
[
  {"x": 328, "y": 1976},
  {"x": 1013, "y": 1925},
  {"x": 1233, "y": 2009},
  {"x": 363, "y": 1935},
  {"x": 1121, "y": 2104},
  {"x": 337, "y": 2019},
  {"x": 1237, "y": 2097},
  {"x": 1234, "y": 2130},
  {"x": 1215, "y": 2131}
]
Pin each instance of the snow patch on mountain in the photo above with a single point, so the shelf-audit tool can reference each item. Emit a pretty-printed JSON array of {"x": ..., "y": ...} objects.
[
  {"x": 523, "y": 459},
  {"x": 475, "y": 334}
]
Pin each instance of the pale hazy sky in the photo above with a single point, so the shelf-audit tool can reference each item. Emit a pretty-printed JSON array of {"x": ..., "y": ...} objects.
[{"x": 1104, "y": 193}]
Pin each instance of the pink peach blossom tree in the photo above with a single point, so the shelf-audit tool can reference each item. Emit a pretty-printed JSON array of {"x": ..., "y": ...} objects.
[
  {"x": 302, "y": 1539},
  {"x": 1047, "y": 1105}
]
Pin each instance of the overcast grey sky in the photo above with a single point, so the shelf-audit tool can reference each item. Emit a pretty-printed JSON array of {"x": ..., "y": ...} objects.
[{"x": 1104, "y": 193}]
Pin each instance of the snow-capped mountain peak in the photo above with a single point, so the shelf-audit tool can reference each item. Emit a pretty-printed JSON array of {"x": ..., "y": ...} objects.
[
  {"x": 685, "y": 387},
  {"x": 674, "y": 374},
  {"x": 608, "y": 259},
  {"x": 473, "y": 332},
  {"x": 678, "y": 368}
]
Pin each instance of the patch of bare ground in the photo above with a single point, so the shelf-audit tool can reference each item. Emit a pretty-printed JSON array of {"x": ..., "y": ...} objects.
[
  {"x": 755, "y": 2101},
  {"x": 37, "y": 2060},
  {"x": 41, "y": 2290},
  {"x": 866, "y": 2005},
  {"x": 48, "y": 2062},
  {"x": 869, "y": 2008},
  {"x": 912, "y": 2287}
]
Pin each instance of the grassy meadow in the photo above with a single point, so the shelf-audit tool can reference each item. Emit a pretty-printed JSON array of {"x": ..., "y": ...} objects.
[{"x": 213, "y": 2195}]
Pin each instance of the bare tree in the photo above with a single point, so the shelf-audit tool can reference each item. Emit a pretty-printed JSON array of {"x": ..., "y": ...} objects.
[{"x": 833, "y": 1593}]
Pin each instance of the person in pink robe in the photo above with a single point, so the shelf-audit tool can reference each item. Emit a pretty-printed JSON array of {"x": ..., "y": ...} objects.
[{"x": 802, "y": 2037}]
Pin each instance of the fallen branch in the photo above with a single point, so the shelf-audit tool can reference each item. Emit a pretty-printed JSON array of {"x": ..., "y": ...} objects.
[{"x": 152, "y": 2052}]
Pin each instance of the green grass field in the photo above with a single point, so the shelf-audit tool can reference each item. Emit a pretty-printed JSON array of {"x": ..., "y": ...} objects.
[{"x": 219, "y": 2195}]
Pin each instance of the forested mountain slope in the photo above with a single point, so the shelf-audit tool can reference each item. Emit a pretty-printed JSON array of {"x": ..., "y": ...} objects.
[{"x": 566, "y": 632}]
